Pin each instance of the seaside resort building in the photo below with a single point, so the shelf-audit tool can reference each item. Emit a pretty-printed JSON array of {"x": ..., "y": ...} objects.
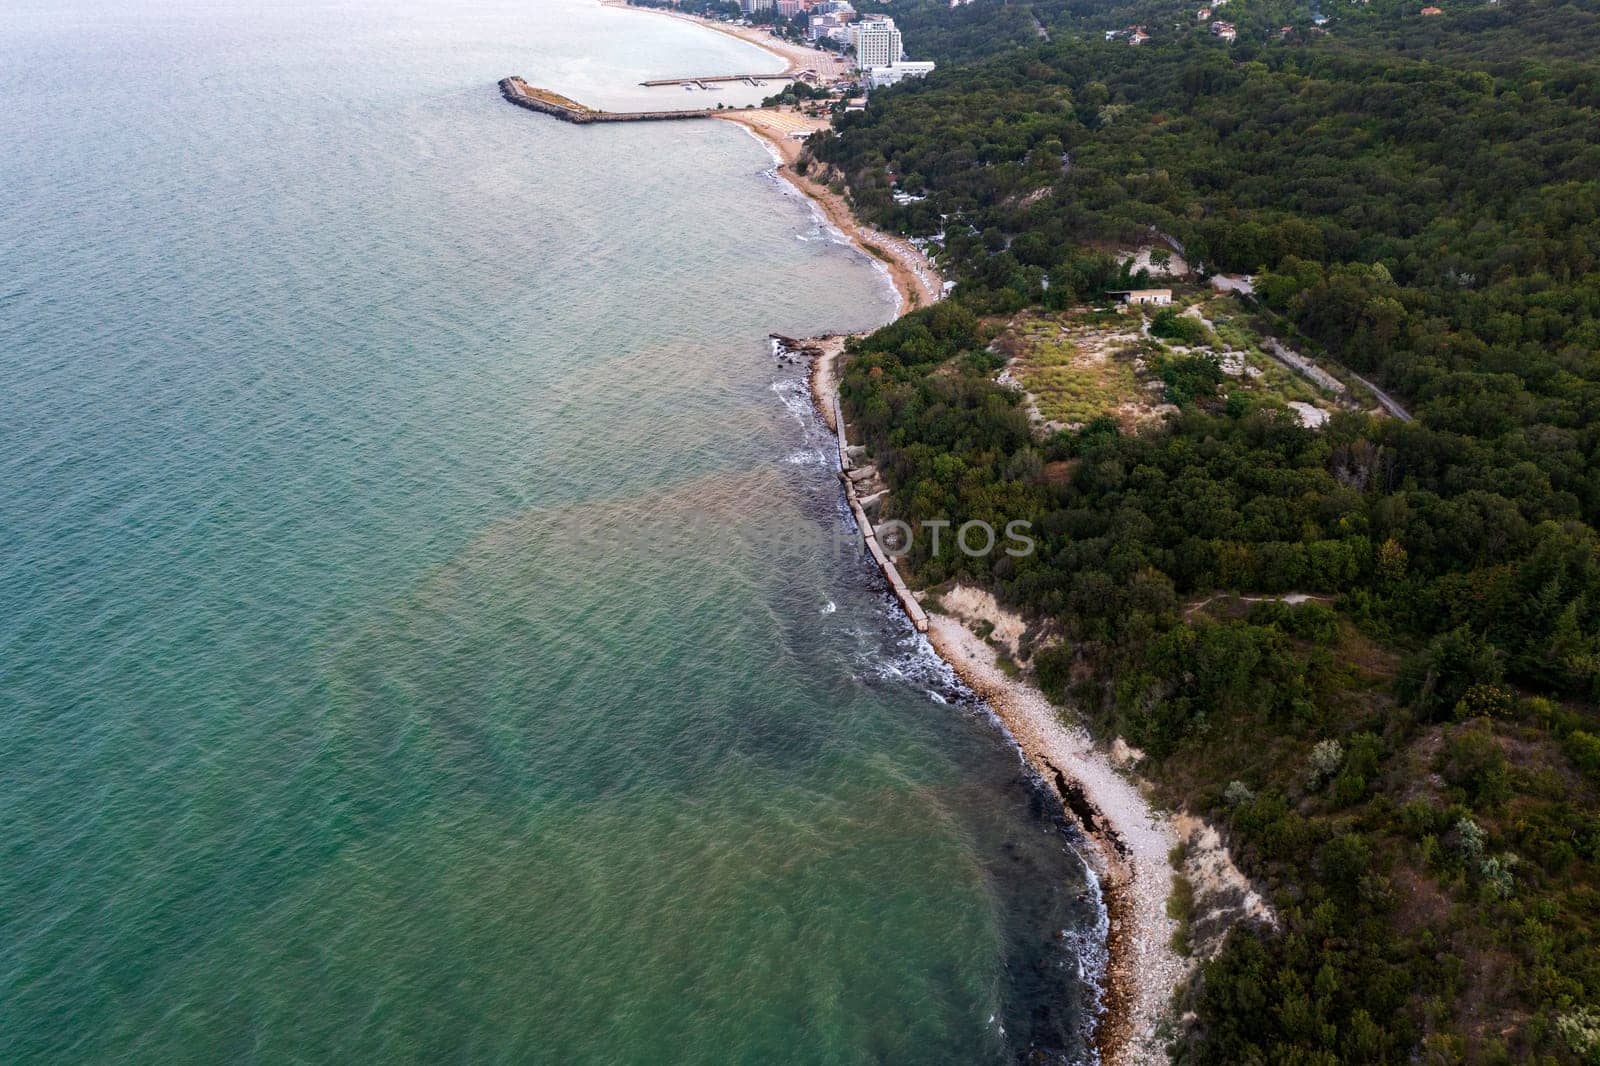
[
  {"x": 877, "y": 43},
  {"x": 880, "y": 55},
  {"x": 878, "y": 77}
]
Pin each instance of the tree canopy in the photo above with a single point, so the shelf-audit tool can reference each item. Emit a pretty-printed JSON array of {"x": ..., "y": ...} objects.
[{"x": 1418, "y": 200}]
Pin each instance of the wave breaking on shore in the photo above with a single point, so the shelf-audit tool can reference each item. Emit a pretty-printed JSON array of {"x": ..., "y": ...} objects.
[{"x": 1126, "y": 843}]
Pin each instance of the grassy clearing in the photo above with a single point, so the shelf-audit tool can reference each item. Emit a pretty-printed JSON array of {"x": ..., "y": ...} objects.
[
  {"x": 1074, "y": 375},
  {"x": 1084, "y": 365},
  {"x": 1180, "y": 908}
]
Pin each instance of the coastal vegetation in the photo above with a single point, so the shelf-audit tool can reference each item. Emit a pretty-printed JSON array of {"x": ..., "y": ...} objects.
[{"x": 1368, "y": 651}]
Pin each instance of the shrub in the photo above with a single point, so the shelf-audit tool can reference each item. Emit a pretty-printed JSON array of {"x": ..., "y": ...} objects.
[
  {"x": 1474, "y": 763},
  {"x": 1185, "y": 329},
  {"x": 1485, "y": 700},
  {"x": 1191, "y": 377},
  {"x": 1325, "y": 760},
  {"x": 1584, "y": 751}
]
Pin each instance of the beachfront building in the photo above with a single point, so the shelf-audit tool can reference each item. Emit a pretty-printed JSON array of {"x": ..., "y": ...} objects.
[
  {"x": 834, "y": 26},
  {"x": 790, "y": 8},
  {"x": 894, "y": 73},
  {"x": 750, "y": 7},
  {"x": 830, "y": 20},
  {"x": 876, "y": 42}
]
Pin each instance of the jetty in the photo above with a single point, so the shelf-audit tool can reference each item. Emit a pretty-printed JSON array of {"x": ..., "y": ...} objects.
[
  {"x": 748, "y": 79},
  {"x": 517, "y": 91}
]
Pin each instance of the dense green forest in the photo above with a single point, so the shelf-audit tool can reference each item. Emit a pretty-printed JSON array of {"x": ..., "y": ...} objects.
[{"x": 1407, "y": 758}]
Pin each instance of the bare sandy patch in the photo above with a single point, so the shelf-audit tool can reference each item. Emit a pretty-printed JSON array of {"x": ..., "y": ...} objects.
[
  {"x": 978, "y": 608},
  {"x": 1143, "y": 259}
]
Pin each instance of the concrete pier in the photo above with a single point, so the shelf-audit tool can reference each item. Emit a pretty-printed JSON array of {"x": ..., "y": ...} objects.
[
  {"x": 848, "y": 475},
  {"x": 519, "y": 92},
  {"x": 749, "y": 79}
]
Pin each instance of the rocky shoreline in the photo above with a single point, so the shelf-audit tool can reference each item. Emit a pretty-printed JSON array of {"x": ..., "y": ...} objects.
[
  {"x": 1132, "y": 846},
  {"x": 1129, "y": 848}
]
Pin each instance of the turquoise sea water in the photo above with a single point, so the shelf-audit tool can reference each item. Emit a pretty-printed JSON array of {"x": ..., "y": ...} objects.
[{"x": 421, "y": 636}]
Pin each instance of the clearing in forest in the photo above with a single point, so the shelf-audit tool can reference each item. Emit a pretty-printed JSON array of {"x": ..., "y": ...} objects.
[
  {"x": 1136, "y": 365},
  {"x": 1081, "y": 366}
]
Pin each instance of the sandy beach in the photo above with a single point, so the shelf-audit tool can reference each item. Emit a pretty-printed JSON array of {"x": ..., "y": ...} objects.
[
  {"x": 830, "y": 66},
  {"x": 1131, "y": 843},
  {"x": 914, "y": 275},
  {"x": 1129, "y": 846}
]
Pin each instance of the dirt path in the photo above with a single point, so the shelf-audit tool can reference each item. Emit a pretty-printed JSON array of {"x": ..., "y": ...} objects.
[
  {"x": 1388, "y": 402},
  {"x": 1293, "y": 599},
  {"x": 1308, "y": 369}
]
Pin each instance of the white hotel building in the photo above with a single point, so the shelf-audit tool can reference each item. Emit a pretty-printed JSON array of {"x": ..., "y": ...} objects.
[
  {"x": 879, "y": 54},
  {"x": 877, "y": 43}
]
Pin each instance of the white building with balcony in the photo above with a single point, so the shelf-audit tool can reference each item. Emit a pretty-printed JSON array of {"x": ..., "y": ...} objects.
[{"x": 877, "y": 43}]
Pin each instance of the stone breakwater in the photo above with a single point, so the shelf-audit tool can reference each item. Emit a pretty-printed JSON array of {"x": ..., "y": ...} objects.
[
  {"x": 913, "y": 275},
  {"x": 857, "y": 478},
  {"x": 852, "y": 475},
  {"x": 519, "y": 92}
]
